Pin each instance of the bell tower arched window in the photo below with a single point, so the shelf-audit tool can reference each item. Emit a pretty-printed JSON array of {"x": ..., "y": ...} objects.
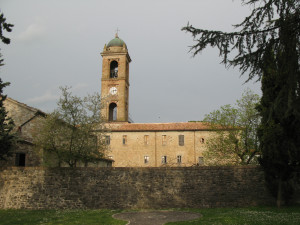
[
  {"x": 112, "y": 112},
  {"x": 114, "y": 69},
  {"x": 115, "y": 81}
]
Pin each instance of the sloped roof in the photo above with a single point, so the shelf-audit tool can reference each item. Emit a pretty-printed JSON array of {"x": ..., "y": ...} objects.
[
  {"x": 183, "y": 126},
  {"x": 26, "y": 106}
]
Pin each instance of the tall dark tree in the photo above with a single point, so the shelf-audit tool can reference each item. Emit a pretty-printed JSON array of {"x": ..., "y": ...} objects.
[
  {"x": 279, "y": 132},
  {"x": 7, "y": 139},
  {"x": 267, "y": 46},
  {"x": 4, "y": 26}
]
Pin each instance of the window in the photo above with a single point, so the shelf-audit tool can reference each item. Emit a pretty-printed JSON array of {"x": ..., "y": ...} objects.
[
  {"x": 124, "y": 139},
  {"x": 164, "y": 140},
  {"x": 107, "y": 140},
  {"x": 181, "y": 140},
  {"x": 200, "y": 161},
  {"x": 114, "y": 69},
  {"x": 164, "y": 160},
  {"x": 179, "y": 159},
  {"x": 146, "y": 159},
  {"x": 112, "y": 112},
  {"x": 202, "y": 140},
  {"x": 146, "y": 139},
  {"x": 20, "y": 159}
]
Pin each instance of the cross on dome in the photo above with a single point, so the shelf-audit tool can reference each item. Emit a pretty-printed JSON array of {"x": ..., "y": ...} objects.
[{"x": 117, "y": 36}]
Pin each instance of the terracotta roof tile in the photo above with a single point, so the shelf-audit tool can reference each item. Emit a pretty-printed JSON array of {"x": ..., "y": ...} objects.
[{"x": 183, "y": 126}]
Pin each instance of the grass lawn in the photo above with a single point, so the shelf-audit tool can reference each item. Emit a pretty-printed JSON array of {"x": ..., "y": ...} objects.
[
  {"x": 216, "y": 216},
  {"x": 58, "y": 217},
  {"x": 246, "y": 216}
]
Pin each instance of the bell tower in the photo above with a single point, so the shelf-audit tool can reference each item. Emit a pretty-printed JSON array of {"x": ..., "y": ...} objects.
[{"x": 115, "y": 81}]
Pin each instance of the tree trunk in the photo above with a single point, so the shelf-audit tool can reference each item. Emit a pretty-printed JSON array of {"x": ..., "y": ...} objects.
[{"x": 279, "y": 192}]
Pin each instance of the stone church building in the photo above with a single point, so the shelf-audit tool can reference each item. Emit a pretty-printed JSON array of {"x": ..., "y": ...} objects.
[
  {"x": 128, "y": 144},
  {"x": 27, "y": 121},
  {"x": 142, "y": 144}
]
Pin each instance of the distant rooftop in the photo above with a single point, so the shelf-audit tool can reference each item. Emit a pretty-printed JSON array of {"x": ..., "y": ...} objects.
[
  {"x": 26, "y": 106},
  {"x": 184, "y": 126}
]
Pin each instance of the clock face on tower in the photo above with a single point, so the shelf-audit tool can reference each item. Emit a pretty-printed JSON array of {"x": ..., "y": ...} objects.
[{"x": 113, "y": 90}]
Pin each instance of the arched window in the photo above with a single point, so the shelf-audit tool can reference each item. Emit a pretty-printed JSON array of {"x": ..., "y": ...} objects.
[
  {"x": 114, "y": 69},
  {"x": 113, "y": 112}
]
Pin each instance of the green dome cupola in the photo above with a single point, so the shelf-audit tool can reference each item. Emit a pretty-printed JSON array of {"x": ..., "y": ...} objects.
[{"x": 116, "y": 42}]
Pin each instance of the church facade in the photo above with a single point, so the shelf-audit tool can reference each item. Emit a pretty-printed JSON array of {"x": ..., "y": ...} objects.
[{"x": 142, "y": 144}]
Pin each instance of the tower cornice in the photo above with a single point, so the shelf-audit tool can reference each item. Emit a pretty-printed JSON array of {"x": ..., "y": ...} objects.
[{"x": 108, "y": 53}]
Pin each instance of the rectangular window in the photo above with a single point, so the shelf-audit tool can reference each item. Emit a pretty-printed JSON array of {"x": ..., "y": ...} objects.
[
  {"x": 146, "y": 139},
  {"x": 107, "y": 140},
  {"x": 179, "y": 159},
  {"x": 164, "y": 140},
  {"x": 124, "y": 139},
  {"x": 146, "y": 159},
  {"x": 20, "y": 159},
  {"x": 164, "y": 160},
  {"x": 200, "y": 161},
  {"x": 181, "y": 140}
]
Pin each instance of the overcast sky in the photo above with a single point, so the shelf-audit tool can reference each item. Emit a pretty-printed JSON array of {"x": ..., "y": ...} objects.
[{"x": 58, "y": 43}]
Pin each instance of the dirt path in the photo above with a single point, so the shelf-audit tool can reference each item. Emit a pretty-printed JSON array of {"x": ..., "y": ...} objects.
[{"x": 155, "y": 217}]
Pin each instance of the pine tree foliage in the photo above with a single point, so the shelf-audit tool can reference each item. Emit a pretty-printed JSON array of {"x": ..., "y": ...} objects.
[
  {"x": 4, "y": 26},
  {"x": 269, "y": 20},
  {"x": 279, "y": 132},
  {"x": 267, "y": 46},
  {"x": 7, "y": 138}
]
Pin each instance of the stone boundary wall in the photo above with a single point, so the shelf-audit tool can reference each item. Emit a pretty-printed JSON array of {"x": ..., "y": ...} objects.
[{"x": 94, "y": 188}]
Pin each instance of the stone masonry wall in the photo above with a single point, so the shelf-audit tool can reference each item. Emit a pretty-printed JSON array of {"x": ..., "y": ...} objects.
[{"x": 45, "y": 188}]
